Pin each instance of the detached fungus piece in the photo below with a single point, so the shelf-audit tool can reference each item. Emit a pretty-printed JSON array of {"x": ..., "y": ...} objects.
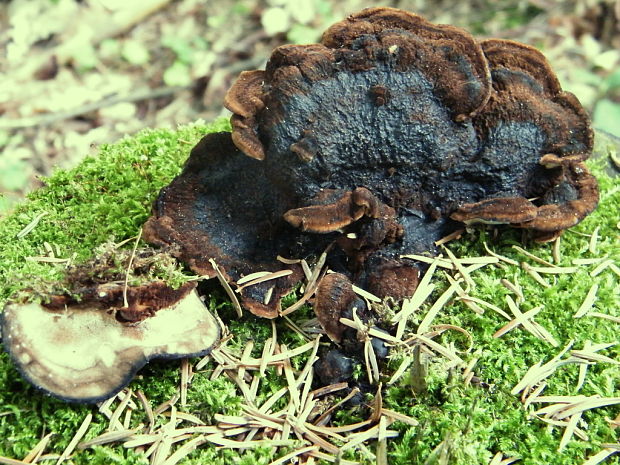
[
  {"x": 82, "y": 353},
  {"x": 374, "y": 143}
]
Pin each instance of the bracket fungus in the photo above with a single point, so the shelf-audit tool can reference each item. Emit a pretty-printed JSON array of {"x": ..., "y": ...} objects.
[
  {"x": 87, "y": 345},
  {"x": 389, "y": 134},
  {"x": 386, "y": 136}
]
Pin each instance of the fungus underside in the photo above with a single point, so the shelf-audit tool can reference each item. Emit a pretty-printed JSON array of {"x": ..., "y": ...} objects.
[{"x": 109, "y": 197}]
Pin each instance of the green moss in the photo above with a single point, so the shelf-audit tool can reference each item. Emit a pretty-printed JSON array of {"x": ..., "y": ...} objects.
[{"x": 108, "y": 197}]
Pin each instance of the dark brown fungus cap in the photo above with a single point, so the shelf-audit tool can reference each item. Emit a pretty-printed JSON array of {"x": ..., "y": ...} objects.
[
  {"x": 87, "y": 352},
  {"x": 384, "y": 137}
]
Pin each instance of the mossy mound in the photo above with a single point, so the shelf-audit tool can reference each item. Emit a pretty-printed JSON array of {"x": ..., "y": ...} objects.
[{"x": 108, "y": 197}]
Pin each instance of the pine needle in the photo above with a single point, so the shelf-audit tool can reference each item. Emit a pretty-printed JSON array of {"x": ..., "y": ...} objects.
[
  {"x": 604, "y": 316},
  {"x": 569, "y": 431},
  {"x": 510, "y": 261},
  {"x": 533, "y": 257},
  {"x": 30, "y": 226},
  {"x": 592, "y": 246},
  {"x": 588, "y": 302},
  {"x": 535, "y": 275},
  {"x": 76, "y": 439},
  {"x": 184, "y": 450},
  {"x": 10, "y": 461},
  {"x": 38, "y": 449},
  {"x": 411, "y": 305},
  {"x": 128, "y": 271},
  {"x": 436, "y": 307},
  {"x": 110, "y": 436},
  {"x": 601, "y": 267},
  {"x": 261, "y": 277},
  {"x": 227, "y": 288},
  {"x": 296, "y": 453},
  {"x": 539, "y": 371},
  {"x": 514, "y": 288},
  {"x": 601, "y": 456},
  {"x": 115, "y": 424},
  {"x": 458, "y": 265}
]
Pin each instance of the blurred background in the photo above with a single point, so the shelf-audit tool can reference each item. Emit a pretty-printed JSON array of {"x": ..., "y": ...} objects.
[{"x": 78, "y": 73}]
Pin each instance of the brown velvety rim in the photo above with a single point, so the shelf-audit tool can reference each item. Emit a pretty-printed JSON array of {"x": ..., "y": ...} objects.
[
  {"x": 265, "y": 299},
  {"x": 332, "y": 216},
  {"x": 501, "y": 210},
  {"x": 394, "y": 279},
  {"x": 403, "y": 33},
  {"x": 244, "y": 100},
  {"x": 539, "y": 99},
  {"x": 545, "y": 219},
  {"x": 553, "y": 217},
  {"x": 165, "y": 231},
  {"x": 517, "y": 56}
]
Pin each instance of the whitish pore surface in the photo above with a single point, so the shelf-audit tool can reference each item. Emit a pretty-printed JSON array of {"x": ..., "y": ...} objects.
[{"x": 85, "y": 354}]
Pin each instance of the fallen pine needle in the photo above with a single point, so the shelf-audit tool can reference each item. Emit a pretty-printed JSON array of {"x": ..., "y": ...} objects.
[
  {"x": 460, "y": 268},
  {"x": 411, "y": 305},
  {"x": 535, "y": 275},
  {"x": 292, "y": 455},
  {"x": 594, "y": 240},
  {"x": 450, "y": 237},
  {"x": 601, "y": 267},
  {"x": 146, "y": 405},
  {"x": 10, "y": 461},
  {"x": 76, "y": 439},
  {"x": 604, "y": 316},
  {"x": 437, "y": 348},
  {"x": 554, "y": 269},
  {"x": 227, "y": 288},
  {"x": 588, "y": 404},
  {"x": 110, "y": 436},
  {"x": 363, "y": 293},
  {"x": 569, "y": 431},
  {"x": 532, "y": 256},
  {"x": 114, "y": 419},
  {"x": 261, "y": 277},
  {"x": 396, "y": 416},
  {"x": 539, "y": 371},
  {"x": 331, "y": 458},
  {"x": 38, "y": 449},
  {"x": 587, "y": 303},
  {"x": 185, "y": 449},
  {"x": 500, "y": 257},
  {"x": 588, "y": 261},
  {"x": 30, "y": 226},
  {"x": 514, "y": 289},
  {"x": 600, "y": 456},
  {"x": 434, "y": 310}
]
